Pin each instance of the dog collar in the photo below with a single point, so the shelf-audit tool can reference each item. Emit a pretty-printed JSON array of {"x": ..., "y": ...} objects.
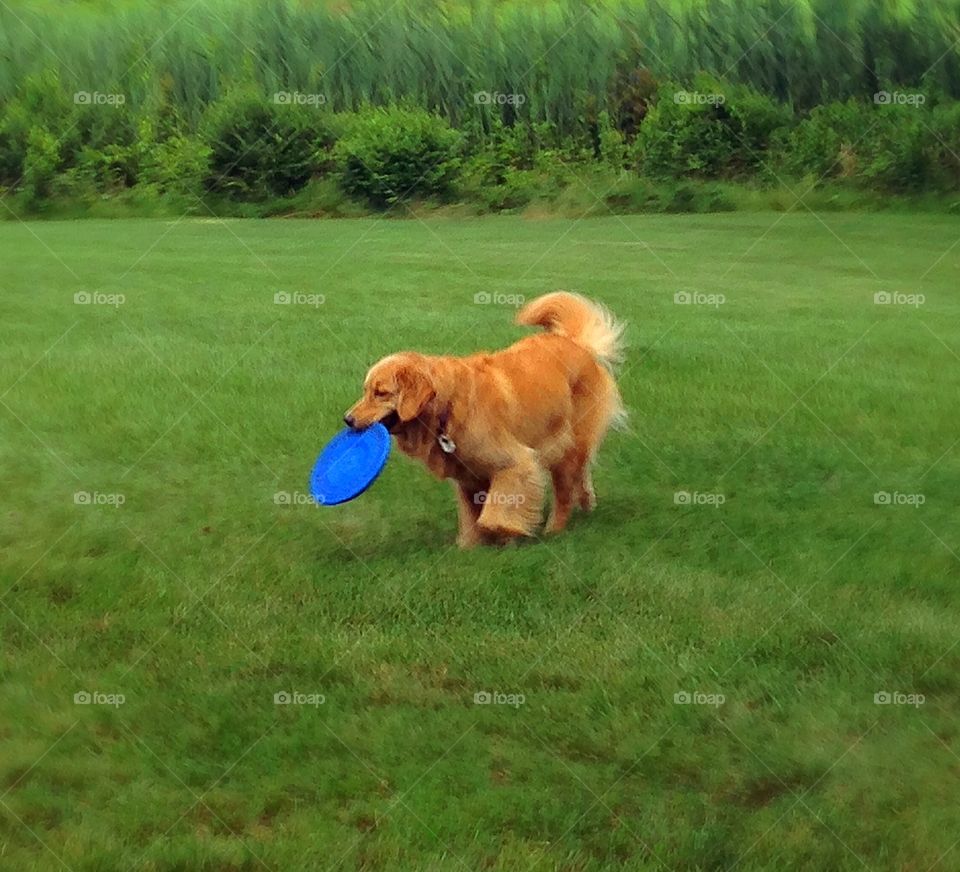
[{"x": 447, "y": 445}]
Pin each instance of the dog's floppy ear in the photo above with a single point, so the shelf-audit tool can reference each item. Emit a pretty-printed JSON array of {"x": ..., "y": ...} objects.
[{"x": 416, "y": 390}]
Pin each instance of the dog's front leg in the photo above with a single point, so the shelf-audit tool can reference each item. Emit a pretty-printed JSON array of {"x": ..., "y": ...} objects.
[
  {"x": 514, "y": 501},
  {"x": 468, "y": 513}
]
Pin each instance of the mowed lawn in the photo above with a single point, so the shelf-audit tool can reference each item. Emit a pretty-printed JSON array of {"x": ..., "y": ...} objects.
[{"x": 158, "y": 552}]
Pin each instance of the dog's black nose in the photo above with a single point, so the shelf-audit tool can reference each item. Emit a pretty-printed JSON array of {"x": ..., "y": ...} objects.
[{"x": 349, "y": 420}]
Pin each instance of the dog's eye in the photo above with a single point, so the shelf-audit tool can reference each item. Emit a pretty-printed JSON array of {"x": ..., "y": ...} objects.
[{"x": 379, "y": 393}]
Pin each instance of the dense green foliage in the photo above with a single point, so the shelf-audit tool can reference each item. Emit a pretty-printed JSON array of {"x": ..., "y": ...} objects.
[
  {"x": 711, "y": 130},
  {"x": 570, "y": 58},
  {"x": 493, "y": 103},
  {"x": 390, "y": 154},
  {"x": 251, "y": 148},
  {"x": 260, "y": 147}
]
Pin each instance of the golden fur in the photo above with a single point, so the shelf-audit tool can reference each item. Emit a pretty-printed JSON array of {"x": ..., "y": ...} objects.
[{"x": 506, "y": 418}]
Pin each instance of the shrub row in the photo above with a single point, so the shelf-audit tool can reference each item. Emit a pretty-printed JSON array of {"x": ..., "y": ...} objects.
[{"x": 248, "y": 148}]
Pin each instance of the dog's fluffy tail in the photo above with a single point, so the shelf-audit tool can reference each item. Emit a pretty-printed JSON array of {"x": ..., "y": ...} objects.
[
  {"x": 589, "y": 324},
  {"x": 592, "y": 327}
]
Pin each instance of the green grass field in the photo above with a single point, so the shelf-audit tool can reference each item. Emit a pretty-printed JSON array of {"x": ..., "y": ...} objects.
[{"x": 197, "y": 582}]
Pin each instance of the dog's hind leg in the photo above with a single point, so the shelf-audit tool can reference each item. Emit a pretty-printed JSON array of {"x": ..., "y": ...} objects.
[
  {"x": 567, "y": 487},
  {"x": 596, "y": 403},
  {"x": 587, "y": 497}
]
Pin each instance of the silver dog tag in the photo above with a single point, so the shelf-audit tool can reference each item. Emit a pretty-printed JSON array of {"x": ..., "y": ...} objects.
[{"x": 447, "y": 445}]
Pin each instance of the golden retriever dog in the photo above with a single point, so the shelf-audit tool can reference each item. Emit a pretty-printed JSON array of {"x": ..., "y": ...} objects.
[{"x": 495, "y": 422}]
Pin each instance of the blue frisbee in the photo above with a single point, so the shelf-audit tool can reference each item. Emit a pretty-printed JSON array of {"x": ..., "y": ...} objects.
[{"x": 349, "y": 464}]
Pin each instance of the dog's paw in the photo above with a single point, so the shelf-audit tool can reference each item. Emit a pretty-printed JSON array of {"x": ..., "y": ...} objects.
[
  {"x": 502, "y": 532},
  {"x": 468, "y": 541},
  {"x": 554, "y": 526}
]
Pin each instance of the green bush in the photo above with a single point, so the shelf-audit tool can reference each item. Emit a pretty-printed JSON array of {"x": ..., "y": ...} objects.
[
  {"x": 886, "y": 147},
  {"x": 824, "y": 144},
  {"x": 15, "y": 125},
  {"x": 510, "y": 167},
  {"x": 611, "y": 143},
  {"x": 41, "y": 107},
  {"x": 178, "y": 165},
  {"x": 896, "y": 158},
  {"x": 397, "y": 153},
  {"x": 41, "y": 164},
  {"x": 259, "y": 148},
  {"x": 105, "y": 148},
  {"x": 944, "y": 145},
  {"x": 711, "y": 130},
  {"x": 498, "y": 170},
  {"x": 758, "y": 123}
]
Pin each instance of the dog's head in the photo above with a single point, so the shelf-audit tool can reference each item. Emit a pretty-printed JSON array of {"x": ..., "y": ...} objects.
[{"x": 395, "y": 391}]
